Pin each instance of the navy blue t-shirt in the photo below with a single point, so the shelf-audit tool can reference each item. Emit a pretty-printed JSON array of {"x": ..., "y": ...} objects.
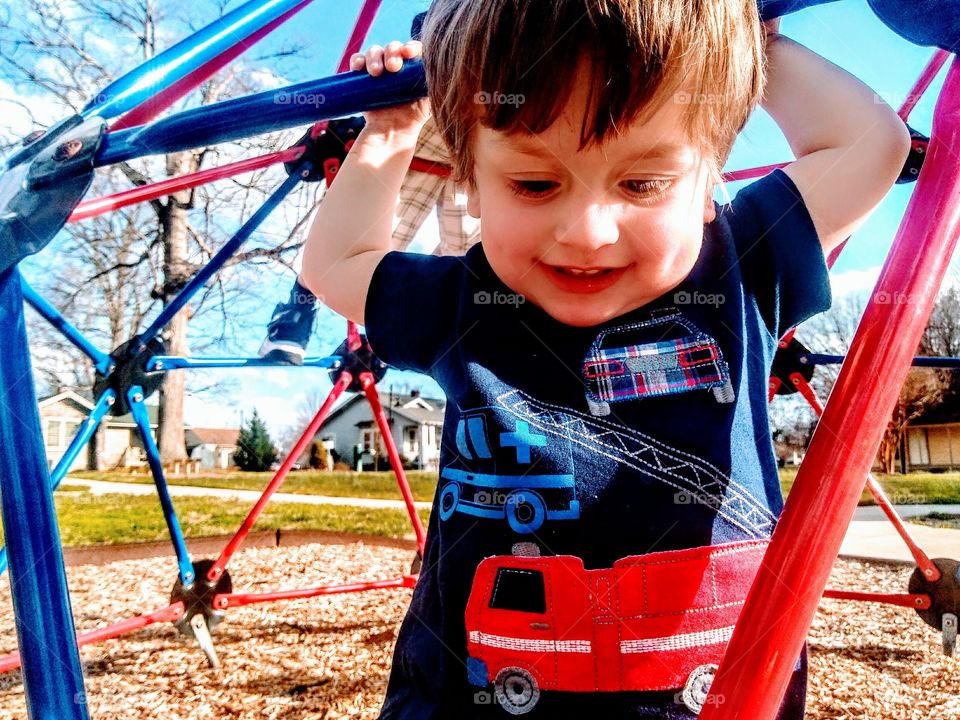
[{"x": 643, "y": 434}]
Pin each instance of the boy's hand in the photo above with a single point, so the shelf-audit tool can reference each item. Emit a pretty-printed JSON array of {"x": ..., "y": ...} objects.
[{"x": 402, "y": 118}]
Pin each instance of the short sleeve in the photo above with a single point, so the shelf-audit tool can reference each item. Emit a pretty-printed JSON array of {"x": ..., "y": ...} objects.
[
  {"x": 411, "y": 308},
  {"x": 779, "y": 253}
]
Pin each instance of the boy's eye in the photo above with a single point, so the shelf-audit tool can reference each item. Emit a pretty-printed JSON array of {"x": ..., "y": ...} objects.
[
  {"x": 646, "y": 187},
  {"x": 532, "y": 188}
]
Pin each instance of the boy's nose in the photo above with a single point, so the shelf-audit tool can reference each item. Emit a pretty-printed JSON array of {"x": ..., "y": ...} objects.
[{"x": 591, "y": 227}]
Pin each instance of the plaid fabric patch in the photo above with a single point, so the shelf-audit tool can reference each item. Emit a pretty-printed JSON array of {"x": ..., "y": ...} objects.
[
  {"x": 422, "y": 192},
  {"x": 656, "y": 368}
]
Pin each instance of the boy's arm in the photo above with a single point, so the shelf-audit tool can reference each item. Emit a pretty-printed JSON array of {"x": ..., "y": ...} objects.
[
  {"x": 352, "y": 229},
  {"x": 850, "y": 146}
]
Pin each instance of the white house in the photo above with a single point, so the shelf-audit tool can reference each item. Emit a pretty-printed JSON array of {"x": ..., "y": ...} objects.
[
  {"x": 415, "y": 422},
  {"x": 118, "y": 444},
  {"x": 213, "y": 447}
]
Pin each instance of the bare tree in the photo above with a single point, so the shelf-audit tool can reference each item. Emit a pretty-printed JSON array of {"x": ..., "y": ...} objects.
[
  {"x": 116, "y": 273},
  {"x": 833, "y": 331}
]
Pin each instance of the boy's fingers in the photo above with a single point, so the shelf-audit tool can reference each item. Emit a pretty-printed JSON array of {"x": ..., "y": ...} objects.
[
  {"x": 357, "y": 61},
  {"x": 412, "y": 49},
  {"x": 392, "y": 60},
  {"x": 375, "y": 60}
]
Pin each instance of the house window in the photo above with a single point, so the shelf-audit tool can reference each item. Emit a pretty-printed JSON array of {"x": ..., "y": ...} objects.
[
  {"x": 411, "y": 438},
  {"x": 54, "y": 434},
  {"x": 69, "y": 431},
  {"x": 371, "y": 441},
  {"x": 918, "y": 450}
]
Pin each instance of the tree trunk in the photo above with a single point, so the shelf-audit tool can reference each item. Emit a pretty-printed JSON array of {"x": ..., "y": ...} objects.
[{"x": 177, "y": 272}]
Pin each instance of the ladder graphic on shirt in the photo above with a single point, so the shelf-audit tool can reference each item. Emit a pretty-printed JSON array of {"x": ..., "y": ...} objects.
[{"x": 697, "y": 481}]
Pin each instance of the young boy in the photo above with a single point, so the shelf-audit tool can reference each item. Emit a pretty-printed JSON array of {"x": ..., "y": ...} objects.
[{"x": 607, "y": 482}]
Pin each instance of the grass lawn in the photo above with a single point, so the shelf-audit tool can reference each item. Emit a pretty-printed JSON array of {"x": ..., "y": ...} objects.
[
  {"x": 916, "y": 488},
  {"x": 381, "y": 485},
  {"x": 912, "y": 489},
  {"x": 87, "y": 519}
]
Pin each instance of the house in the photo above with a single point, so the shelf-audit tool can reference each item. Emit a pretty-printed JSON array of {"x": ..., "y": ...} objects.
[
  {"x": 932, "y": 441},
  {"x": 213, "y": 447},
  {"x": 117, "y": 444},
  {"x": 416, "y": 422}
]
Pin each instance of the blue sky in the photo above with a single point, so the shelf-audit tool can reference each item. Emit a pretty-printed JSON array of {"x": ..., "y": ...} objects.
[{"x": 846, "y": 33}]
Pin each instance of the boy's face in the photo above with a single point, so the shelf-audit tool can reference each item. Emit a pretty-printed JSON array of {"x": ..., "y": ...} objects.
[{"x": 589, "y": 235}]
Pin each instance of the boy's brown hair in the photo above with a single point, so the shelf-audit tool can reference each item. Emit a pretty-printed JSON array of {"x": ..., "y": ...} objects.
[{"x": 509, "y": 64}]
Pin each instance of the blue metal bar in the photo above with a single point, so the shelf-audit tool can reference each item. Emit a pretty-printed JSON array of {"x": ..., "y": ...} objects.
[
  {"x": 928, "y": 361},
  {"x": 139, "y": 412},
  {"x": 101, "y": 360},
  {"x": 185, "y": 57},
  {"x": 85, "y": 432},
  {"x": 174, "y": 362},
  {"x": 330, "y": 97},
  {"x": 200, "y": 279},
  {"x": 52, "y": 678}
]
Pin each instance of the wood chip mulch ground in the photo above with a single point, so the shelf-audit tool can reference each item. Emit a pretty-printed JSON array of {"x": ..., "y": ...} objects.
[{"x": 329, "y": 657}]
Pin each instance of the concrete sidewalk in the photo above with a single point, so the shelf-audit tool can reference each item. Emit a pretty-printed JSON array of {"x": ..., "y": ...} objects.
[
  {"x": 870, "y": 535},
  {"x": 100, "y": 487}
]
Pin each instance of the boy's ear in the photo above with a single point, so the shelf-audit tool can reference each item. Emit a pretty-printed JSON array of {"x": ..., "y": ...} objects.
[
  {"x": 709, "y": 209},
  {"x": 473, "y": 200}
]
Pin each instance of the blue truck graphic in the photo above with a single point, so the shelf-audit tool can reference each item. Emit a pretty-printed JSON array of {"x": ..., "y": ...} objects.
[
  {"x": 664, "y": 355},
  {"x": 503, "y": 471}
]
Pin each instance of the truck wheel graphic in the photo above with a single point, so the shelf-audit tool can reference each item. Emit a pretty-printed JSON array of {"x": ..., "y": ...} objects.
[
  {"x": 525, "y": 510},
  {"x": 449, "y": 499},
  {"x": 516, "y": 690}
]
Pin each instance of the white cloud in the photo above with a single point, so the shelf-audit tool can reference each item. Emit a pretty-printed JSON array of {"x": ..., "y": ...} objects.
[{"x": 854, "y": 281}]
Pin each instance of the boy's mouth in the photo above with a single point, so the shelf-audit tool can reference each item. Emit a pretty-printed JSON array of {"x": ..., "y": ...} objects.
[{"x": 583, "y": 279}]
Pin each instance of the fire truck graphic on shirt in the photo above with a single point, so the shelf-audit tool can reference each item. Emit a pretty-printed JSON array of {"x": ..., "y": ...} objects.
[
  {"x": 651, "y": 622},
  {"x": 508, "y": 470},
  {"x": 663, "y": 355}
]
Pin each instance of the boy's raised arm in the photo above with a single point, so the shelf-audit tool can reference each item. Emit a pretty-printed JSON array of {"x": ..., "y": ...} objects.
[
  {"x": 353, "y": 226},
  {"x": 850, "y": 145}
]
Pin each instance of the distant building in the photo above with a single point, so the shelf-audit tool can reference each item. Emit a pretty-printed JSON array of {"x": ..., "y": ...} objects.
[
  {"x": 118, "y": 443},
  {"x": 415, "y": 422},
  {"x": 932, "y": 441},
  {"x": 213, "y": 447}
]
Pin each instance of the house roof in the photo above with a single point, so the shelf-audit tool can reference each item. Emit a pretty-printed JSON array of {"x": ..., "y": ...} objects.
[
  {"x": 404, "y": 404},
  {"x": 419, "y": 414},
  {"x": 80, "y": 398},
  {"x": 223, "y": 437},
  {"x": 946, "y": 412},
  {"x": 63, "y": 395}
]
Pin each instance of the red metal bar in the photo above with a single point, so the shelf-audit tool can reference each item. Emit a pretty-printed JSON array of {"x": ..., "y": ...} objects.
[
  {"x": 99, "y": 206},
  {"x": 167, "y": 614},
  {"x": 229, "y": 600},
  {"x": 176, "y": 90},
  {"x": 430, "y": 167},
  {"x": 938, "y": 60},
  {"x": 216, "y": 570},
  {"x": 750, "y": 173},
  {"x": 360, "y": 29},
  {"x": 930, "y": 571},
  {"x": 772, "y": 386},
  {"x": 917, "y": 602},
  {"x": 783, "y": 600},
  {"x": 804, "y": 387},
  {"x": 370, "y": 390}
]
